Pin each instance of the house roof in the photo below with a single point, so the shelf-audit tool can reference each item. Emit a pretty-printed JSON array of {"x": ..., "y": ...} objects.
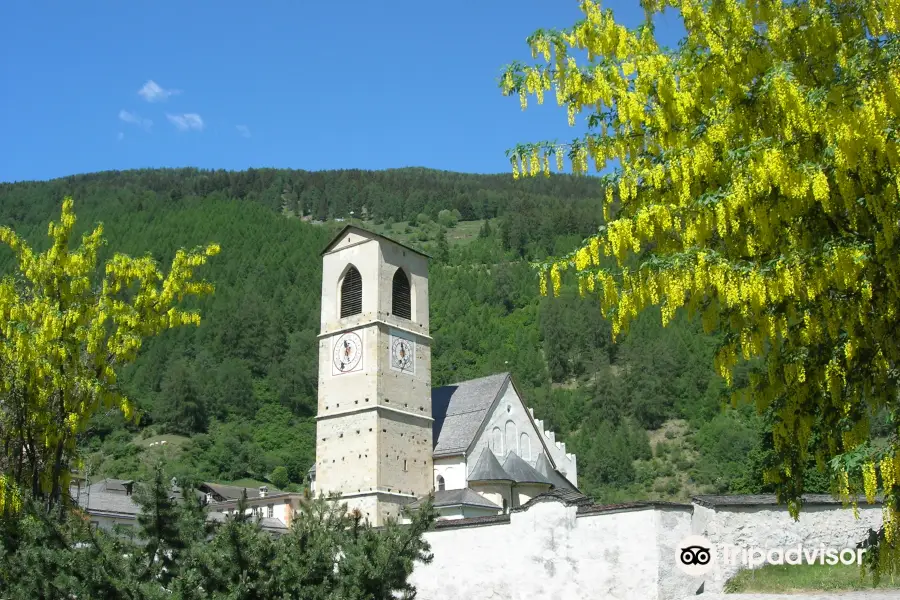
[
  {"x": 230, "y": 492},
  {"x": 104, "y": 497},
  {"x": 521, "y": 472},
  {"x": 341, "y": 233},
  {"x": 487, "y": 468},
  {"x": 114, "y": 485},
  {"x": 461, "y": 497},
  {"x": 460, "y": 409}
]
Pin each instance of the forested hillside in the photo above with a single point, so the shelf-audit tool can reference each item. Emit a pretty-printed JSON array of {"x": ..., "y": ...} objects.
[{"x": 234, "y": 398}]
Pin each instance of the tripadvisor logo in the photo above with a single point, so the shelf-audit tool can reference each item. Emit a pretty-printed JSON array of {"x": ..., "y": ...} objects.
[{"x": 696, "y": 555}]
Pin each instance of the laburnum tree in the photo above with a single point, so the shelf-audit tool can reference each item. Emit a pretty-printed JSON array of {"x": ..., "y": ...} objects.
[
  {"x": 755, "y": 180},
  {"x": 65, "y": 329}
]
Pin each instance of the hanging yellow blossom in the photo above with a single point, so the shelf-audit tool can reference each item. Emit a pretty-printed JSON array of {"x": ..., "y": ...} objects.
[{"x": 762, "y": 191}]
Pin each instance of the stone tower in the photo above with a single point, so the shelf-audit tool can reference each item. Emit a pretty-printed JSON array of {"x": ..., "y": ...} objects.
[{"x": 373, "y": 431}]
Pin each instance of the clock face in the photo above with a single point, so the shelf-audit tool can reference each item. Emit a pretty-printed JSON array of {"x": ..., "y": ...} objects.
[
  {"x": 403, "y": 354},
  {"x": 347, "y": 355}
]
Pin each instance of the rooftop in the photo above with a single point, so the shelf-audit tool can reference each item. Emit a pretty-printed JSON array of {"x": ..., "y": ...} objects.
[{"x": 460, "y": 409}]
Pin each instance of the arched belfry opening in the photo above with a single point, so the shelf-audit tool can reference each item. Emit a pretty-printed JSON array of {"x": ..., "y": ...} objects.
[
  {"x": 401, "y": 305},
  {"x": 351, "y": 293}
]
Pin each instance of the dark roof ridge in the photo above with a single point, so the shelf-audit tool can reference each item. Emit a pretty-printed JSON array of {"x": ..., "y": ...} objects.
[
  {"x": 488, "y": 468},
  {"x": 344, "y": 229},
  {"x": 521, "y": 471}
]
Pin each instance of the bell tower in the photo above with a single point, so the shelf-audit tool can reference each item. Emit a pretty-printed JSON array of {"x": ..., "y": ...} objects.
[{"x": 374, "y": 423}]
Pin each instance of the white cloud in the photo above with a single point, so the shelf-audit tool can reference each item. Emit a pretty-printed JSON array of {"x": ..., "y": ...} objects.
[
  {"x": 135, "y": 119},
  {"x": 186, "y": 121},
  {"x": 243, "y": 130},
  {"x": 153, "y": 92}
]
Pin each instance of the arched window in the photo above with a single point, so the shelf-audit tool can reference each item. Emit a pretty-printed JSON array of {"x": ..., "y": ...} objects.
[
  {"x": 402, "y": 297},
  {"x": 511, "y": 437},
  {"x": 441, "y": 483},
  {"x": 525, "y": 446},
  {"x": 351, "y": 293},
  {"x": 505, "y": 506},
  {"x": 497, "y": 441}
]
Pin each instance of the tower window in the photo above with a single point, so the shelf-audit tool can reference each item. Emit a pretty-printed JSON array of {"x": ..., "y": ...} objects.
[
  {"x": 351, "y": 293},
  {"x": 402, "y": 304},
  {"x": 441, "y": 484},
  {"x": 404, "y": 464}
]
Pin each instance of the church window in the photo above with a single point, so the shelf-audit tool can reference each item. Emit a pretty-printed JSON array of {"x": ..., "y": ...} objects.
[
  {"x": 402, "y": 296},
  {"x": 351, "y": 293},
  {"x": 441, "y": 484},
  {"x": 404, "y": 464},
  {"x": 512, "y": 435},
  {"x": 525, "y": 446},
  {"x": 497, "y": 441},
  {"x": 505, "y": 506}
]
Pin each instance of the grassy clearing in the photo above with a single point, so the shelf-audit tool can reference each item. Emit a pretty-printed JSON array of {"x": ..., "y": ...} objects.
[
  {"x": 794, "y": 579},
  {"x": 169, "y": 439}
]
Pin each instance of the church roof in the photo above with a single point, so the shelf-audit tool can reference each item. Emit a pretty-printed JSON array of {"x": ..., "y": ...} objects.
[
  {"x": 488, "y": 468},
  {"x": 521, "y": 472},
  {"x": 341, "y": 233},
  {"x": 460, "y": 409},
  {"x": 462, "y": 497},
  {"x": 543, "y": 466}
]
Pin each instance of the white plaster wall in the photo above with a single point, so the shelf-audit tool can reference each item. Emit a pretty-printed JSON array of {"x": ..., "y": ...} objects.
[
  {"x": 453, "y": 470},
  {"x": 772, "y": 527},
  {"x": 547, "y": 552},
  {"x": 499, "y": 493},
  {"x": 109, "y": 522},
  {"x": 515, "y": 419}
]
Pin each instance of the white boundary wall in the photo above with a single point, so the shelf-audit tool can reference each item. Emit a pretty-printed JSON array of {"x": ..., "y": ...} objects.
[
  {"x": 771, "y": 527},
  {"x": 628, "y": 552}
]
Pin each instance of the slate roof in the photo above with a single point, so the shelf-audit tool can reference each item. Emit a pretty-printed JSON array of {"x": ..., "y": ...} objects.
[
  {"x": 521, "y": 472},
  {"x": 98, "y": 498},
  {"x": 464, "y": 496},
  {"x": 543, "y": 466},
  {"x": 460, "y": 409},
  {"x": 488, "y": 468}
]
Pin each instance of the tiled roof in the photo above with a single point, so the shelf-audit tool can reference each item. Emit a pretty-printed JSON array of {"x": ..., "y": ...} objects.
[
  {"x": 488, "y": 468},
  {"x": 521, "y": 472},
  {"x": 471, "y": 522},
  {"x": 763, "y": 500},
  {"x": 464, "y": 497},
  {"x": 597, "y": 508},
  {"x": 566, "y": 496},
  {"x": 460, "y": 409}
]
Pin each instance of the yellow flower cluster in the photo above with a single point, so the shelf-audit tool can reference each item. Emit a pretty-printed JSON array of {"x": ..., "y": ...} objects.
[
  {"x": 767, "y": 193},
  {"x": 60, "y": 336}
]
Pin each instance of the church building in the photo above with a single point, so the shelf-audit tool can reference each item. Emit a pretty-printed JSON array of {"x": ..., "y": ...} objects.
[{"x": 384, "y": 437}]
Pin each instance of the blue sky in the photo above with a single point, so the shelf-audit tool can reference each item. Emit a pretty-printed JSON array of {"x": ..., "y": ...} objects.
[{"x": 97, "y": 85}]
